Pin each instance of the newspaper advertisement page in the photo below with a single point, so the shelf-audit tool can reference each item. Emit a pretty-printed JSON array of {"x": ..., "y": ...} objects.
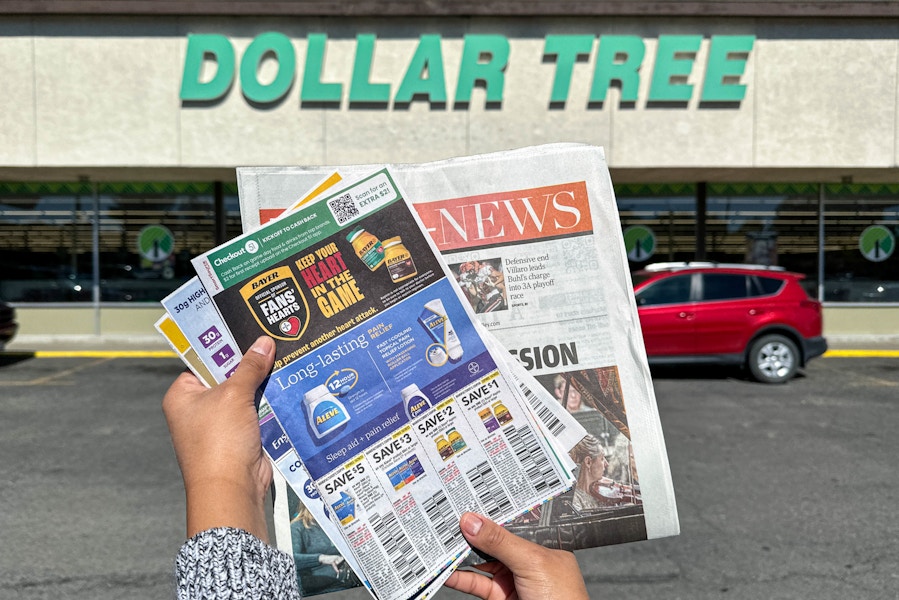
[
  {"x": 381, "y": 381},
  {"x": 195, "y": 330},
  {"x": 302, "y": 528},
  {"x": 534, "y": 238},
  {"x": 169, "y": 329},
  {"x": 324, "y": 563},
  {"x": 301, "y": 525}
]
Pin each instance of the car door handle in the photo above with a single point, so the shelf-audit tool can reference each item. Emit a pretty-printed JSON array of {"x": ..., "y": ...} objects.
[
  {"x": 686, "y": 315},
  {"x": 753, "y": 312}
]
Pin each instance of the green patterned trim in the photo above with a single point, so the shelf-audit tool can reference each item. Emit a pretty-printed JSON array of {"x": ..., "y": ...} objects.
[
  {"x": 155, "y": 189},
  {"x": 113, "y": 189},
  {"x": 655, "y": 189},
  {"x": 763, "y": 189},
  {"x": 759, "y": 189},
  {"x": 44, "y": 189},
  {"x": 861, "y": 189}
]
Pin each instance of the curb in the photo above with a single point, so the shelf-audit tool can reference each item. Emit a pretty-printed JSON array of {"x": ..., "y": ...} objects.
[{"x": 861, "y": 354}]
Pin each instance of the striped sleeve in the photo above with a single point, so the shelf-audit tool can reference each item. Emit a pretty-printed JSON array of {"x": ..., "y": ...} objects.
[{"x": 227, "y": 563}]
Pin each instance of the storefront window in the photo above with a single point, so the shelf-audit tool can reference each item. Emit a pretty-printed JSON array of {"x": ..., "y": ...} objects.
[
  {"x": 659, "y": 222},
  {"x": 860, "y": 227},
  {"x": 45, "y": 243},
  {"x": 146, "y": 235},
  {"x": 773, "y": 225}
]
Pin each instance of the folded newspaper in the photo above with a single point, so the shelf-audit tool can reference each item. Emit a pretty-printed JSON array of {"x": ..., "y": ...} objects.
[
  {"x": 533, "y": 241},
  {"x": 533, "y": 236}
]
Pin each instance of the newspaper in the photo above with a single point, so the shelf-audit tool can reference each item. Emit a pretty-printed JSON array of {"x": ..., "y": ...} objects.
[
  {"x": 534, "y": 237},
  {"x": 391, "y": 398}
]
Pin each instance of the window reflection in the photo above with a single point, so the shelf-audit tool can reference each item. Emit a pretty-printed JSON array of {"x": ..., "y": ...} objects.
[
  {"x": 47, "y": 231},
  {"x": 47, "y": 235},
  {"x": 854, "y": 272}
]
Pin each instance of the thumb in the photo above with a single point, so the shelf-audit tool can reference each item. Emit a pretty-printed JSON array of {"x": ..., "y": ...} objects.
[
  {"x": 254, "y": 367},
  {"x": 487, "y": 536}
]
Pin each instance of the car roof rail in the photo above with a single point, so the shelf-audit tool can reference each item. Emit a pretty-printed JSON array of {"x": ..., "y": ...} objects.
[{"x": 674, "y": 266}]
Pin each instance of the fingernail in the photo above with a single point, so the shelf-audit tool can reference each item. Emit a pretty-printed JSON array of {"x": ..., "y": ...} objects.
[
  {"x": 263, "y": 345},
  {"x": 471, "y": 523}
]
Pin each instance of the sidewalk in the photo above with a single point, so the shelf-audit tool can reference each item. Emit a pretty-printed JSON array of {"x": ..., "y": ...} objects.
[
  {"x": 147, "y": 344},
  {"x": 863, "y": 342},
  {"x": 155, "y": 344}
]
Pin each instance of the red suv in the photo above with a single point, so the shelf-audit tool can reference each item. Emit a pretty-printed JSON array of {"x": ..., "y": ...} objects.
[{"x": 756, "y": 316}]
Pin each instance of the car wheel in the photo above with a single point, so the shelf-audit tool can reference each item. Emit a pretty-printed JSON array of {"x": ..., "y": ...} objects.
[{"x": 773, "y": 359}]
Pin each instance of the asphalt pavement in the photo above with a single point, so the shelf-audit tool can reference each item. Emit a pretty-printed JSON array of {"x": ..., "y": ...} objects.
[{"x": 784, "y": 492}]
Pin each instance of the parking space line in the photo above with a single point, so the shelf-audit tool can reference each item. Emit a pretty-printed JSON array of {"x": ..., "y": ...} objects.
[
  {"x": 53, "y": 377},
  {"x": 105, "y": 354}
]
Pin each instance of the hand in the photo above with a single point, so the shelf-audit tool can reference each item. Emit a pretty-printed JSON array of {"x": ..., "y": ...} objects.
[
  {"x": 215, "y": 433},
  {"x": 524, "y": 570},
  {"x": 335, "y": 560}
]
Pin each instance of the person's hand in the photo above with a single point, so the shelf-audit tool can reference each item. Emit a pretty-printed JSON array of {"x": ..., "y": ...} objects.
[
  {"x": 523, "y": 571},
  {"x": 335, "y": 560},
  {"x": 215, "y": 433}
]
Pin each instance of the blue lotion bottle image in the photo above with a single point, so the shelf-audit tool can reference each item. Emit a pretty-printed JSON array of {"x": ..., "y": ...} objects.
[{"x": 324, "y": 411}]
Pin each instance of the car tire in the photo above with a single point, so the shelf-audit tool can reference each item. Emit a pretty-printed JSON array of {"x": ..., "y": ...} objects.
[{"x": 773, "y": 358}]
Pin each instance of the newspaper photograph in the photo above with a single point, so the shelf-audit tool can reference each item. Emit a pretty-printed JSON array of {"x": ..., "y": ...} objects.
[{"x": 396, "y": 407}]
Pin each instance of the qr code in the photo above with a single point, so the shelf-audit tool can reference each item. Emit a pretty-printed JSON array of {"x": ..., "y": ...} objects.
[{"x": 343, "y": 208}]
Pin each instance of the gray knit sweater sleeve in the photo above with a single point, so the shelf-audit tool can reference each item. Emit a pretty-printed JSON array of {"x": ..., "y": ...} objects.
[{"x": 225, "y": 563}]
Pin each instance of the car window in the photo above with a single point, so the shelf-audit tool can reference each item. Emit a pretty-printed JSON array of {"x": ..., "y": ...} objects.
[
  {"x": 670, "y": 290},
  {"x": 768, "y": 285},
  {"x": 639, "y": 277},
  {"x": 722, "y": 286}
]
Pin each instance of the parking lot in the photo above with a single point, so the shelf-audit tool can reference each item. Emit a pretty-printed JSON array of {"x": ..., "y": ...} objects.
[{"x": 783, "y": 491}]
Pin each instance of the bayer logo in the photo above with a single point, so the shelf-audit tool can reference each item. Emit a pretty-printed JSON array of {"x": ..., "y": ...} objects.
[{"x": 251, "y": 246}]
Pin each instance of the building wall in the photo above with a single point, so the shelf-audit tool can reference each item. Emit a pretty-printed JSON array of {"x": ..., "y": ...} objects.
[{"x": 100, "y": 97}]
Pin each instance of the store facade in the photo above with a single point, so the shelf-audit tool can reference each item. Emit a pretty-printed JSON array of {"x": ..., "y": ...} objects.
[{"x": 756, "y": 133}]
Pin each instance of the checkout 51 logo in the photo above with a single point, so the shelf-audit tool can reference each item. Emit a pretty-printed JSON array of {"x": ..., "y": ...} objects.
[{"x": 276, "y": 302}]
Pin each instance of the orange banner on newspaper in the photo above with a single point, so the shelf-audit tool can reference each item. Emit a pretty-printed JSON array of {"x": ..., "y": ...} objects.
[{"x": 507, "y": 217}]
